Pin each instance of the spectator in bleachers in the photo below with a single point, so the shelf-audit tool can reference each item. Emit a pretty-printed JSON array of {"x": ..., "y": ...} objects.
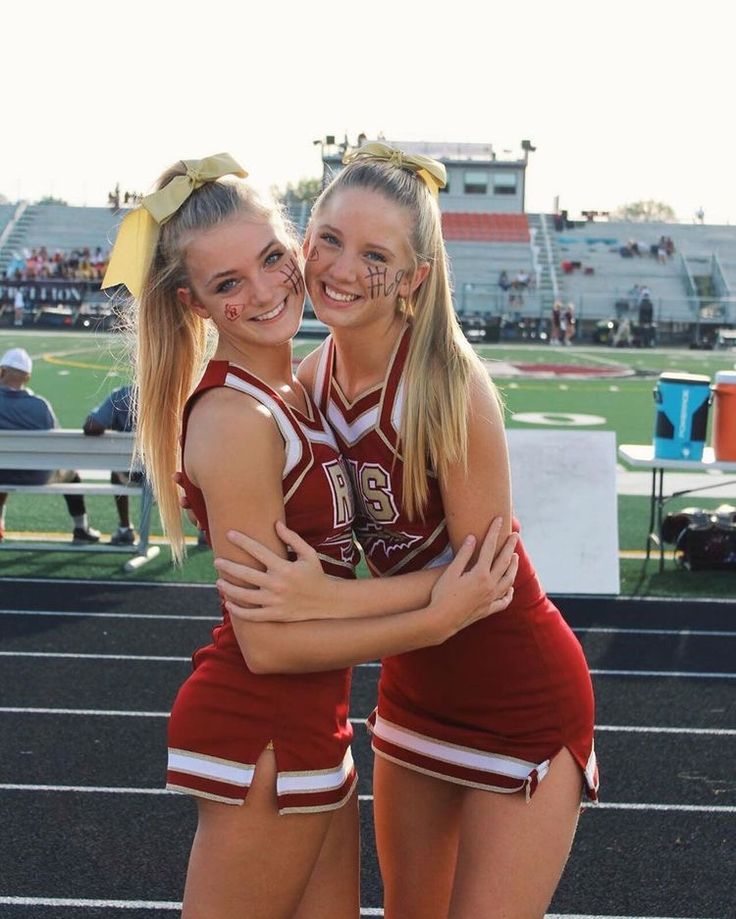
[
  {"x": 503, "y": 280},
  {"x": 567, "y": 324},
  {"x": 665, "y": 248},
  {"x": 646, "y": 323},
  {"x": 40, "y": 264},
  {"x": 622, "y": 307},
  {"x": 22, "y": 410},
  {"x": 18, "y": 308},
  {"x": 622, "y": 336},
  {"x": 555, "y": 327},
  {"x": 643, "y": 293}
]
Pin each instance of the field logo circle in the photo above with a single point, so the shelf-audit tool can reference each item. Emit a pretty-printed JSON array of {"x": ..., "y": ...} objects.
[{"x": 558, "y": 419}]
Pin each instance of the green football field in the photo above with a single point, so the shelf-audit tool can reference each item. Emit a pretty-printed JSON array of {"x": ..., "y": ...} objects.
[{"x": 75, "y": 371}]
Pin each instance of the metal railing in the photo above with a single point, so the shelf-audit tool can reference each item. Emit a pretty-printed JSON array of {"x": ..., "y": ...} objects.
[{"x": 489, "y": 300}]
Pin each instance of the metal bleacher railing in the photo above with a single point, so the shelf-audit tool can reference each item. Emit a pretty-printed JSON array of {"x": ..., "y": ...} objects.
[{"x": 679, "y": 320}]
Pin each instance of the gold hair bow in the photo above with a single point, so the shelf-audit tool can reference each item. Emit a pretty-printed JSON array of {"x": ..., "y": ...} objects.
[
  {"x": 432, "y": 172},
  {"x": 138, "y": 234}
]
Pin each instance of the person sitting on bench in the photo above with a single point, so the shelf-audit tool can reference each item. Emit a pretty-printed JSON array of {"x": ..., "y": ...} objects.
[
  {"x": 116, "y": 414},
  {"x": 22, "y": 410}
]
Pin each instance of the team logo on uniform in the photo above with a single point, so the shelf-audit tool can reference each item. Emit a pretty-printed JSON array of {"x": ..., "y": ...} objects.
[
  {"x": 374, "y": 490},
  {"x": 344, "y": 542},
  {"x": 341, "y": 486},
  {"x": 374, "y": 537}
]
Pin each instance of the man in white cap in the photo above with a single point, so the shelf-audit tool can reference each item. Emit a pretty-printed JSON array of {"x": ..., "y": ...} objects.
[{"x": 22, "y": 410}]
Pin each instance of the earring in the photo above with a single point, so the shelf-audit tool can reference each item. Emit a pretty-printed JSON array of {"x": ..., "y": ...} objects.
[{"x": 401, "y": 306}]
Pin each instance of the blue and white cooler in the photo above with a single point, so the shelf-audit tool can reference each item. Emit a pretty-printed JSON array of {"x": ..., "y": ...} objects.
[{"x": 682, "y": 415}]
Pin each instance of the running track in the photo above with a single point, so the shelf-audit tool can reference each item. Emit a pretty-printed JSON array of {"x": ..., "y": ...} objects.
[{"x": 88, "y": 672}]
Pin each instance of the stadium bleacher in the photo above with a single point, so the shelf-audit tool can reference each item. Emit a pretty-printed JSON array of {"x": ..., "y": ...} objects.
[
  {"x": 601, "y": 276},
  {"x": 483, "y": 245},
  {"x": 6, "y": 215},
  {"x": 58, "y": 226},
  {"x": 498, "y": 228}
]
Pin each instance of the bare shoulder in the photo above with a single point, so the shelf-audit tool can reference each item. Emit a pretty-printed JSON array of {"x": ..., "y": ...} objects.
[
  {"x": 226, "y": 423},
  {"x": 307, "y": 370},
  {"x": 235, "y": 413},
  {"x": 485, "y": 402}
]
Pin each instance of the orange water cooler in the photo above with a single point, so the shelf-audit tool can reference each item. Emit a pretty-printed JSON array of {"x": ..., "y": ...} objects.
[{"x": 724, "y": 416}]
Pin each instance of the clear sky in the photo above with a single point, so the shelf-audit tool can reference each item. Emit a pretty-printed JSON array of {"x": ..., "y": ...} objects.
[{"x": 624, "y": 100}]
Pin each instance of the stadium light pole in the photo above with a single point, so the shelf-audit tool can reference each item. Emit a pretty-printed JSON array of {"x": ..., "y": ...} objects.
[{"x": 527, "y": 147}]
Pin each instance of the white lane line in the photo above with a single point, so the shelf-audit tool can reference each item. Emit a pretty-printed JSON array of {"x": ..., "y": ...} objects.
[
  {"x": 115, "y": 713},
  {"x": 626, "y": 806},
  {"x": 642, "y": 729},
  {"x": 86, "y": 789},
  {"x": 648, "y": 673},
  {"x": 680, "y": 633},
  {"x": 62, "y": 902},
  {"x": 107, "y": 713},
  {"x": 164, "y": 659},
  {"x": 96, "y": 657},
  {"x": 81, "y": 615},
  {"x": 608, "y": 630},
  {"x": 686, "y": 808},
  {"x": 110, "y": 790},
  {"x": 691, "y": 674},
  {"x": 379, "y": 912}
]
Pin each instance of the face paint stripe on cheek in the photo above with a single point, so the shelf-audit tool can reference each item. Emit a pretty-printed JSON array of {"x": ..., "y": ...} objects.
[
  {"x": 376, "y": 277},
  {"x": 293, "y": 276}
]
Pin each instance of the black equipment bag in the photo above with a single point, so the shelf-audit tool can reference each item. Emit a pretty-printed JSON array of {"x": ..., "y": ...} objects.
[{"x": 703, "y": 539}]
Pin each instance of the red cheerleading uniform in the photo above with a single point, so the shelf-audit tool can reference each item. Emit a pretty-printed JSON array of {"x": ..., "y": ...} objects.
[
  {"x": 224, "y": 715},
  {"x": 491, "y": 706}
]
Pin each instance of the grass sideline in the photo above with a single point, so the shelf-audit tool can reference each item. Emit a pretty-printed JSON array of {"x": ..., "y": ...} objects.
[{"x": 76, "y": 371}]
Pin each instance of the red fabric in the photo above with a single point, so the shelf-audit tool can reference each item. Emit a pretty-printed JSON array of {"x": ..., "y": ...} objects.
[
  {"x": 225, "y": 712},
  {"x": 515, "y": 684}
]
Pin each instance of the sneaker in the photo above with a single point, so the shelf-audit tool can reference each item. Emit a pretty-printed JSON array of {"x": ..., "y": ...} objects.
[
  {"x": 125, "y": 536},
  {"x": 80, "y": 535}
]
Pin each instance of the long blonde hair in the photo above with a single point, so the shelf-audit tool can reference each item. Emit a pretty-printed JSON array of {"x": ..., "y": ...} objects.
[
  {"x": 434, "y": 422},
  {"x": 172, "y": 341}
]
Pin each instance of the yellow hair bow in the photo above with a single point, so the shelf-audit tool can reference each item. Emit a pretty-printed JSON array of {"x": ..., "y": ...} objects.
[
  {"x": 138, "y": 234},
  {"x": 432, "y": 172}
]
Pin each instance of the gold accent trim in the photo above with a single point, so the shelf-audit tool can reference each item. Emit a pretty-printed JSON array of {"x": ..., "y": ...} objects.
[
  {"x": 325, "y": 807},
  {"x": 186, "y": 790},
  {"x": 450, "y": 745},
  {"x": 450, "y": 778},
  {"x": 424, "y": 544}
]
